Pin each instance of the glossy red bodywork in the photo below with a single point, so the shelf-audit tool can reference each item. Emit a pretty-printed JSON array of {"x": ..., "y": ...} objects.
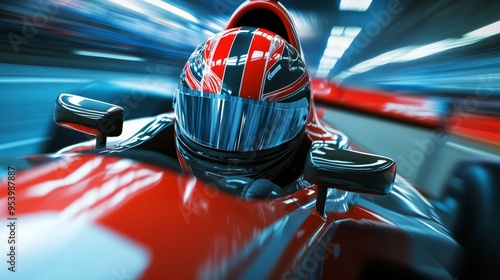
[
  {"x": 274, "y": 8},
  {"x": 181, "y": 220}
]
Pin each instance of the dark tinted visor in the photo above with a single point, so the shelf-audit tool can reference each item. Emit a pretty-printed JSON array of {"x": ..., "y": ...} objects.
[{"x": 237, "y": 124}]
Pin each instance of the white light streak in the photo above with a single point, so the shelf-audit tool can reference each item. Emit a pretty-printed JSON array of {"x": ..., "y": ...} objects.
[
  {"x": 410, "y": 53},
  {"x": 108, "y": 55},
  {"x": 173, "y": 9},
  {"x": 354, "y": 5}
]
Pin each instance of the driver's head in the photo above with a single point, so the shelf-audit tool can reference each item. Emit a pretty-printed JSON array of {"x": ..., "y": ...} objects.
[{"x": 242, "y": 105}]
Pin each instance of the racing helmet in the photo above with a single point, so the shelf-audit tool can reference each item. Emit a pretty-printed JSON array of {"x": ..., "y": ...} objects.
[{"x": 241, "y": 105}]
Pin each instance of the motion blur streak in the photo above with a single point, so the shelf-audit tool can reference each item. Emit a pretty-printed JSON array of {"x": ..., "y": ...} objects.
[
  {"x": 109, "y": 55},
  {"x": 173, "y": 9},
  {"x": 415, "y": 52}
]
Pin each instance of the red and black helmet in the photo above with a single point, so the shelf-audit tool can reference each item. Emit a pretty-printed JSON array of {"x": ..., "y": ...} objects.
[{"x": 241, "y": 105}]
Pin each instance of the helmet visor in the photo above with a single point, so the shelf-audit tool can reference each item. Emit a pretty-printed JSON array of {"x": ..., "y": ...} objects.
[{"x": 232, "y": 123}]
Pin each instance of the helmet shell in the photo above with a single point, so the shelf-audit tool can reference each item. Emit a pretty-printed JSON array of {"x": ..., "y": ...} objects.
[
  {"x": 258, "y": 71},
  {"x": 249, "y": 63}
]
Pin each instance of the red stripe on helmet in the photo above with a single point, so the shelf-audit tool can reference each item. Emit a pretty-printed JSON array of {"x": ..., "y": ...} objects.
[
  {"x": 253, "y": 78},
  {"x": 215, "y": 58}
]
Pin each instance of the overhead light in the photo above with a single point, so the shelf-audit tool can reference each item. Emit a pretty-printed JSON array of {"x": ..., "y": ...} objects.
[
  {"x": 173, "y": 9},
  {"x": 131, "y": 5},
  {"x": 108, "y": 55},
  {"x": 409, "y": 53},
  {"x": 340, "y": 39},
  {"x": 306, "y": 23},
  {"x": 486, "y": 31},
  {"x": 325, "y": 66},
  {"x": 138, "y": 7},
  {"x": 354, "y": 5}
]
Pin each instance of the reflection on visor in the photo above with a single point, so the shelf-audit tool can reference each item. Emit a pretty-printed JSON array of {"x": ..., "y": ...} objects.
[{"x": 237, "y": 124}]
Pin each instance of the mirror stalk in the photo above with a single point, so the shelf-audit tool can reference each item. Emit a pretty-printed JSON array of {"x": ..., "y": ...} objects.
[{"x": 348, "y": 170}]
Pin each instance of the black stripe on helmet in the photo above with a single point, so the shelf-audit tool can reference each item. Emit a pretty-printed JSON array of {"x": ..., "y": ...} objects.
[{"x": 235, "y": 65}]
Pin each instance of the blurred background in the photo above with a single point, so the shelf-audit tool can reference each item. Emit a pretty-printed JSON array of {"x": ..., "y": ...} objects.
[{"x": 418, "y": 81}]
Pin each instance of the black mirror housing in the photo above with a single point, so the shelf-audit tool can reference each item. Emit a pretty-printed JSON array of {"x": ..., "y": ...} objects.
[
  {"x": 348, "y": 170},
  {"x": 89, "y": 116}
]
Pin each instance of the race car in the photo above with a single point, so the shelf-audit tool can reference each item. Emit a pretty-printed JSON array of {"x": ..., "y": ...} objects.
[{"x": 122, "y": 205}]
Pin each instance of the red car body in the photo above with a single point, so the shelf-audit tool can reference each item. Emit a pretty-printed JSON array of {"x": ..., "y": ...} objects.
[{"x": 80, "y": 214}]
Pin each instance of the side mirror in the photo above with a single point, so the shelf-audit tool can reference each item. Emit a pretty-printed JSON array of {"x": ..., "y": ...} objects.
[
  {"x": 348, "y": 170},
  {"x": 89, "y": 116}
]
